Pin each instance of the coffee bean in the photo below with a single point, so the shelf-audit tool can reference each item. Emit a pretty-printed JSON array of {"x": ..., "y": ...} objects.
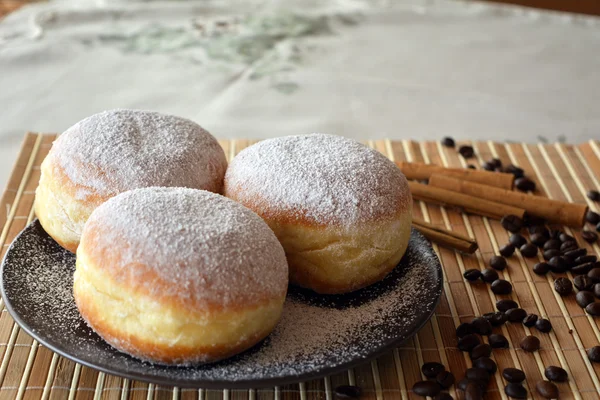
[
  {"x": 597, "y": 290},
  {"x": 481, "y": 350},
  {"x": 594, "y": 354},
  {"x": 543, "y": 325},
  {"x": 448, "y": 142},
  {"x": 482, "y": 326},
  {"x": 547, "y": 390},
  {"x": 478, "y": 374},
  {"x": 555, "y": 234},
  {"x": 512, "y": 223},
  {"x": 426, "y": 388},
  {"x": 598, "y": 227},
  {"x": 488, "y": 166},
  {"x": 443, "y": 396},
  {"x": 431, "y": 369},
  {"x": 530, "y": 320},
  {"x": 548, "y": 254},
  {"x": 590, "y": 258},
  {"x": 525, "y": 184},
  {"x": 593, "y": 195},
  {"x": 498, "y": 341},
  {"x": 498, "y": 263},
  {"x": 516, "y": 391},
  {"x": 568, "y": 246},
  {"x": 471, "y": 166},
  {"x": 582, "y": 269},
  {"x": 472, "y": 275},
  {"x": 473, "y": 392},
  {"x": 552, "y": 244},
  {"x": 538, "y": 239},
  {"x": 464, "y": 329},
  {"x": 466, "y": 151},
  {"x": 537, "y": 227},
  {"x": 517, "y": 240},
  {"x": 468, "y": 342},
  {"x": 556, "y": 374},
  {"x": 563, "y": 286},
  {"x": 584, "y": 297},
  {"x": 489, "y": 275},
  {"x": 558, "y": 264},
  {"x": 589, "y": 236},
  {"x": 541, "y": 268},
  {"x": 566, "y": 238},
  {"x": 506, "y": 304},
  {"x": 576, "y": 253},
  {"x": 592, "y": 217},
  {"x": 486, "y": 363},
  {"x": 593, "y": 309},
  {"x": 500, "y": 286},
  {"x": 507, "y": 250},
  {"x": 497, "y": 318},
  {"x": 445, "y": 379},
  {"x": 513, "y": 375},
  {"x": 594, "y": 275},
  {"x": 462, "y": 384},
  {"x": 530, "y": 343},
  {"x": 516, "y": 314},
  {"x": 513, "y": 169},
  {"x": 528, "y": 250},
  {"x": 496, "y": 162},
  {"x": 347, "y": 392}
]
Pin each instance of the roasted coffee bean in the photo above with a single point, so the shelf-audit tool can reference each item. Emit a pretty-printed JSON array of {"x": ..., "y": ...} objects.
[
  {"x": 552, "y": 244},
  {"x": 473, "y": 392},
  {"x": 555, "y": 234},
  {"x": 464, "y": 329},
  {"x": 598, "y": 227},
  {"x": 594, "y": 354},
  {"x": 590, "y": 258},
  {"x": 568, "y": 246},
  {"x": 482, "y": 326},
  {"x": 547, "y": 390},
  {"x": 489, "y": 275},
  {"x": 500, "y": 286},
  {"x": 566, "y": 238},
  {"x": 443, "y": 396},
  {"x": 574, "y": 254},
  {"x": 445, "y": 379},
  {"x": 530, "y": 343},
  {"x": 481, "y": 350},
  {"x": 530, "y": 320},
  {"x": 468, "y": 342},
  {"x": 528, "y": 250},
  {"x": 556, "y": 374},
  {"x": 486, "y": 363},
  {"x": 517, "y": 240},
  {"x": 431, "y": 369},
  {"x": 496, "y": 162},
  {"x": 525, "y": 184},
  {"x": 543, "y": 325},
  {"x": 466, "y": 151},
  {"x": 584, "y": 297},
  {"x": 516, "y": 314},
  {"x": 583, "y": 282},
  {"x": 462, "y": 384},
  {"x": 513, "y": 169},
  {"x": 558, "y": 264},
  {"x": 593, "y": 195},
  {"x": 593, "y": 309},
  {"x": 531, "y": 221},
  {"x": 512, "y": 223},
  {"x": 498, "y": 341},
  {"x": 426, "y": 388},
  {"x": 513, "y": 375},
  {"x": 516, "y": 391},
  {"x": 506, "y": 304},
  {"x": 594, "y": 275},
  {"x": 472, "y": 275},
  {"x": 537, "y": 228},
  {"x": 488, "y": 166},
  {"x": 347, "y": 392},
  {"x": 507, "y": 250},
  {"x": 597, "y": 290},
  {"x": 471, "y": 166},
  {"x": 498, "y": 263},
  {"x": 582, "y": 269},
  {"x": 589, "y": 236},
  {"x": 541, "y": 268},
  {"x": 478, "y": 374},
  {"x": 448, "y": 142},
  {"x": 563, "y": 286},
  {"x": 548, "y": 254},
  {"x": 497, "y": 318},
  {"x": 538, "y": 239},
  {"x": 592, "y": 217}
]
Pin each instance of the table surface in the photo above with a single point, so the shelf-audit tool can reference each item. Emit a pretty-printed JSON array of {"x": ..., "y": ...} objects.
[{"x": 565, "y": 172}]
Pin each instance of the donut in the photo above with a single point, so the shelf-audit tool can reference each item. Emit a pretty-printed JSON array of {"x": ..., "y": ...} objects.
[
  {"x": 119, "y": 150},
  {"x": 179, "y": 276},
  {"x": 341, "y": 210}
]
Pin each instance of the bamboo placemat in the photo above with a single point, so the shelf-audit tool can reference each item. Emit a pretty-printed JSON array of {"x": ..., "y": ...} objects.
[{"x": 566, "y": 172}]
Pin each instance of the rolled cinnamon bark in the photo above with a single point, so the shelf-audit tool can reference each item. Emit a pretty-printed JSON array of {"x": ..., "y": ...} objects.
[
  {"x": 444, "y": 237},
  {"x": 554, "y": 211},
  {"x": 470, "y": 204},
  {"x": 420, "y": 171}
]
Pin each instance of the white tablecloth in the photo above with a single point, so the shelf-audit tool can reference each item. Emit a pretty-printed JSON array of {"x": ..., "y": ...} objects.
[{"x": 365, "y": 69}]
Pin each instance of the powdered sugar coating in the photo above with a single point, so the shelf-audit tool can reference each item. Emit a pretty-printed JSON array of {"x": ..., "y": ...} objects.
[
  {"x": 119, "y": 150},
  {"x": 199, "y": 248},
  {"x": 324, "y": 179}
]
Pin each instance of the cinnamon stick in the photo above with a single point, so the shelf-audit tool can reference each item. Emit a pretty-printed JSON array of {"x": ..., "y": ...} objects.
[
  {"x": 420, "y": 171},
  {"x": 554, "y": 211},
  {"x": 470, "y": 204},
  {"x": 444, "y": 237}
]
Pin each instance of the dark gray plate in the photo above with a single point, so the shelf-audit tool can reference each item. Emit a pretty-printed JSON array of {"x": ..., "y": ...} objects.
[{"x": 317, "y": 336}]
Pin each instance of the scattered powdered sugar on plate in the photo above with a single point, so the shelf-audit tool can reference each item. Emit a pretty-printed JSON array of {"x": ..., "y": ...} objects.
[{"x": 317, "y": 334}]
